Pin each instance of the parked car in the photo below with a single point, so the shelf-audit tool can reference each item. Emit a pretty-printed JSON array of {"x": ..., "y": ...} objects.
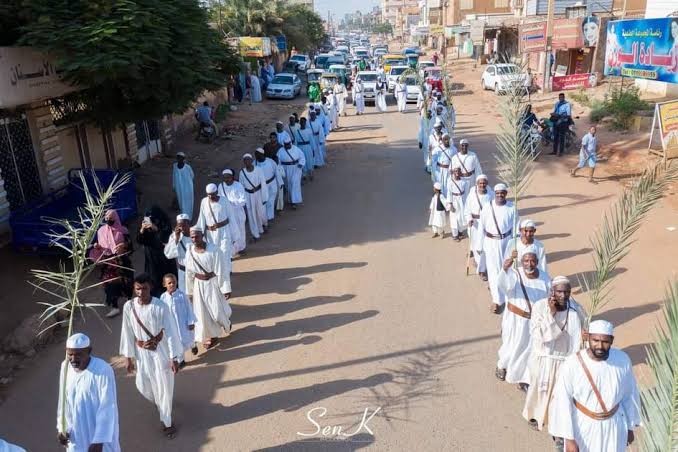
[
  {"x": 284, "y": 86},
  {"x": 303, "y": 60},
  {"x": 393, "y": 60},
  {"x": 290, "y": 67},
  {"x": 501, "y": 77},
  {"x": 410, "y": 51},
  {"x": 413, "y": 89},
  {"x": 423, "y": 65},
  {"x": 369, "y": 79},
  {"x": 393, "y": 75},
  {"x": 320, "y": 60}
]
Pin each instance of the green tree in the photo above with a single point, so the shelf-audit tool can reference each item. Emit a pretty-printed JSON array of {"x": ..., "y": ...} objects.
[
  {"x": 303, "y": 28},
  {"x": 134, "y": 59},
  {"x": 384, "y": 28}
]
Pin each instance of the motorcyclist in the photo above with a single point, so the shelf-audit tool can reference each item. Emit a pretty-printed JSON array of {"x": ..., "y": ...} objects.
[{"x": 203, "y": 114}]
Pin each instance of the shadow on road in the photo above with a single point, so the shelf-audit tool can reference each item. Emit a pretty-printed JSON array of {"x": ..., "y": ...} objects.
[
  {"x": 357, "y": 442},
  {"x": 245, "y": 313}
]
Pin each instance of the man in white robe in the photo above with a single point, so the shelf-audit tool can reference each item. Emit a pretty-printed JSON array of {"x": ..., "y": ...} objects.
[
  {"x": 496, "y": 225},
  {"x": 209, "y": 286},
  {"x": 281, "y": 133},
  {"x": 234, "y": 192},
  {"x": 306, "y": 142},
  {"x": 341, "y": 94},
  {"x": 477, "y": 200},
  {"x": 425, "y": 129},
  {"x": 177, "y": 245},
  {"x": 333, "y": 110},
  {"x": 596, "y": 414},
  {"x": 270, "y": 170},
  {"x": 217, "y": 219},
  {"x": 442, "y": 155},
  {"x": 319, "y": 136},
  {"x": 150, "y": 342},
  {"x": 292, "y": 160},
  {"x": 456, "y": 192},
  {"x": 182, "y": 184},
  {"x": 556, "y": 330},
  {"x": 292, "y": 128},
  {"x": 468, "y": 161},
  {"x": 90, "y": 406},
  {"x": 359, "y": 97},
  {"x": 254, "y": 183},
  {"x": 438, "y": 208},
  {"x": 526, "y": 240},
  {"x": 400, "y": 92},
  {"x": 435, "y": 139},
  {"x": 323, "y": 118},
  {"x": 182, "y": 310},
  {"x": 523, "y": 288}
]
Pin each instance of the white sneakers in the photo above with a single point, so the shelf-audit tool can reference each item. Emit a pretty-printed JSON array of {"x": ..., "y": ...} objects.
[{"x": 113, "y": 312}]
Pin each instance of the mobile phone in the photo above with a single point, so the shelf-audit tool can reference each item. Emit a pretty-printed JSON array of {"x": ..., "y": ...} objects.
[{"x": 147, "y": 220}]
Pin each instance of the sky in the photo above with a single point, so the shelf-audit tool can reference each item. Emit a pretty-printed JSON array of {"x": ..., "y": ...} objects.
[{"x": 340, "y": 7}]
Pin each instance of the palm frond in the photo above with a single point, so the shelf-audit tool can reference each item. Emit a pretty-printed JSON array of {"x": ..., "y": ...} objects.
[
  {"x": 660, "y": 403},
  {"x": 613, "y": 240}
]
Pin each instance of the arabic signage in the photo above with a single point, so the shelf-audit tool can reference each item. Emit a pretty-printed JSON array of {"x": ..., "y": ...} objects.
[
  {"x": 567, "y": 34},
  {"x": 27, "y": 76},
  {"x": 533, "y": 37},
  {"x": 436, "y": 29},
  {"x": 643, "y": 48},
  {"x": 573, "y": 81},
  {"x": 251, "y": 46},
  {"x": 281, "y": 42},
  {"x": 477, "y": 32},
  {"x": 668, "y": 123}
]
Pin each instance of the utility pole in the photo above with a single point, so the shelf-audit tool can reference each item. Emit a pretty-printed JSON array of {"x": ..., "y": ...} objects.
[{"x": 549, "y": 38}]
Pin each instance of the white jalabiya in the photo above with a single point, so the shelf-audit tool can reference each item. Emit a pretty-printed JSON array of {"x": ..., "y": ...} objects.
[
  {"x": 515, "y": 329},
  {"x": 292, "y": 161},
  {"x": 182, "y": 184},
  {"x": 270, "y": 170},
  {"x": 182, "y": 311},
  {"x": 475, "y": 203},
  {"x": 256, "y": 88},
  {"x": 456, "y": 192},
  {"x": 154, "y": 376},
  {"x": 420, "y": 100},
  {"x": 212, "y": 311},
  {"x": 435, "y": 140},
  {"x": 280, "y": 180},
  {"x": 470, "y": 166},
  {"x": 538, "y": 245},
  {"x": 452, "y": 115},
  {"x": 292, "y": 131},
  {"x": 236, "y": 196},
  {"x": 333, "y": 109},
  {"x": 256, "y": 197},
  {"x": 325, "y": 121},
  {"x": 91, "y": 406},
  {"x": 283, "y": 136},
  {"x": 380, "y": 101},
  {"x": 617, "y": 385},
  {"x": 437, "y": 219},
  {"x": 494, "y": 248},
  {"x": 400, "y": 92},
  {"x": 218, "y": 212},
  {"x": 443, "y": 157},
  {"x": 554, "y": 338},
  {"x": 308, "y": 146},
  {"x": 359, "y": 97},
  {"x": 7, "y": 447},
  {"x": 340, "y": 92},
  {"x": 425, "y": 125},
  {"x": 176, "y": 249},
  {"x": 319, "y": 137}
]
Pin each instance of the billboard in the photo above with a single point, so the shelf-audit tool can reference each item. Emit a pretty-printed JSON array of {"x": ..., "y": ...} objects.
[
  {"x": 573, "y": 81},
  {"x": 643, "y": 48},
  {"x": 251, "y": 46},
  {"x": 567, "y": 34},
  {"x": 533, "y": 37}
]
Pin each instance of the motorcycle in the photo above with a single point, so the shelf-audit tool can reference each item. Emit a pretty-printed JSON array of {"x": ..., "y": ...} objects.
[
  {"x": 206, "y": 133},
  {"x": 546, "y": 132}
]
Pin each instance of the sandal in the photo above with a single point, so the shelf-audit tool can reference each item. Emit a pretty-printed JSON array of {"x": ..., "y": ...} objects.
[
  {"x": 170, "y": 432},
  {"x": 500, "y": 374}
]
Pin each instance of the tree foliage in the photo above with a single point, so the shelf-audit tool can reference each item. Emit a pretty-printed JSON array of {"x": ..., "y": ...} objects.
[
  {"x": 135, "y": 59},
  {"x": 303, "y": 28},
  {"x": 384, "y": 28}
]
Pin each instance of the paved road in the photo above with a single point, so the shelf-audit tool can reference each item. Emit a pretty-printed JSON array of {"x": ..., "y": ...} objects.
[{"x": 348, "y": 305}]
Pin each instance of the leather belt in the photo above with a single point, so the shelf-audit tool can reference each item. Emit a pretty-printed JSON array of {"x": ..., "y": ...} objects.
[
  {"x": 316, "y": 133},
  {"x": 517, "y": 311},
  {"x": 440, "y": 165},
  {"x": 204, "y": 276},
  {"x": 181, "y": 267},
  {"x": 457, "y": 194},
  {"x": 271, "y": 179},
  {"x": 150, "y": 344},
  {"x": 253, "y": 190},
  {"x": 469, "y": 174},
  {"x": 498, "y": 237},
  {"x": 293, "y": 162},
  {"x": 475, "y": 217},
  {"x": 304, "y": 142},
  {"x": 597, "y": 416},
  {"x": 225, "y": 222}
]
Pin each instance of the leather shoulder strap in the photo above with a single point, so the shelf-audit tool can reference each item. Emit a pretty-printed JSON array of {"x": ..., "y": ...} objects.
[
  {"x": 209, "y": 204},
  {"x": 522, "y": 287},
  {"x": 461, "y": 162},
  {"x": 494, "y": 217},
  {"x": 141, "y": 324},
  {"x": 244, "y": 173},
  {"x": 480, "y": 204},
  {"x": 202, "y": 269},
  {"x": 590, "y": 379}
]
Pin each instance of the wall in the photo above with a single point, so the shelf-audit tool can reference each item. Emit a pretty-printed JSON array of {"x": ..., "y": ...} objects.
[{"x": 455, "y": 14}]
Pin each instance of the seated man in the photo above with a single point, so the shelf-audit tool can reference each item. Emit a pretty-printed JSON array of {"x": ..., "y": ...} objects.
[{"x": 204, "y": 116}]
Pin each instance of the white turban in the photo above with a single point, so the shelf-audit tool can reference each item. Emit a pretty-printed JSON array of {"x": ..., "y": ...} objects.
[
  {"x": 463, "y": 141},
  {"x": 287, "y": 141},
  {"x": 530, "y": 249},
  {"x": 527, "y": 223},
  {"x": 601, "y": 327},
  {"x": 500, "y": 187},
  {"x": 439, "y": 122},
  {"x": 211, "y": 188},
  {"x": 560, "y": 280},
  {"x": 227, "y": 171},
  {"x": 456, "y": 165},
  {"x": 78, "y": 340},
  {"x": 247, "y": 156},
  {"x": 279, "y": 122},
  {"x": 260, "y": 151},
  {"x": 181, "y": 154},
  {"x": 183, "y": 217},
  {"x": 437, "y": 186},
  {"x": 196, "y": 229},
  {"x": 446, "y": 135},
  {"x": 481, "y": 176}
]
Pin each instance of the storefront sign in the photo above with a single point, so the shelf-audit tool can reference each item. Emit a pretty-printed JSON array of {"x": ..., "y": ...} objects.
[
  {"x": 419, "y": 30},
  {"x": 282, "y": 43},
  {"x": 27, "y": 76},
  {"x": 643, "y": 48},
  {"x": 591, "y": 30},
  {"x": 573, "y": 81},
  {"x": 666, "y": 119},
  {"x": 254, "y": 47},
  {"x": 533, "y": 37},
  {"x": 436, "y": 29},
  {"x": 567, "y": 34},
  {"x": 477, "y": 32}
]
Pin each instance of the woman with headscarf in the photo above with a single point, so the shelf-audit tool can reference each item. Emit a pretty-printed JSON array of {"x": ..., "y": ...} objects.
[
  {"x": 153, "y": 235},
  {"x": 112, "y": 250}
]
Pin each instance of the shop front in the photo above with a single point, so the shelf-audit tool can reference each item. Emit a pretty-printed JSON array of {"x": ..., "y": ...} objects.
[{"x": 573, "y": 53}]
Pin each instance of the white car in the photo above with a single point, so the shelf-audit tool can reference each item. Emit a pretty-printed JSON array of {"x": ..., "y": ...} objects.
[
  {"x": 413, "y": 89},
  {"x": 393, "y": 75},
  {"x": 501, "y": 77},
  {"x": 303, "y": 60},
  {"x": 369, "y": 79},
  {"x": 422, "y": 65},
  {"x": 284, "y": 86}
]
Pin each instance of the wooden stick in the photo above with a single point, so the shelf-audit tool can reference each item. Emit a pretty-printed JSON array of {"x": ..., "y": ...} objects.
[{"x": 468, "y": 252}]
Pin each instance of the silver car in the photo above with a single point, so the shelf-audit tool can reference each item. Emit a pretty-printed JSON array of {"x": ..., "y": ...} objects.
[{"x": 284, "y": 86}]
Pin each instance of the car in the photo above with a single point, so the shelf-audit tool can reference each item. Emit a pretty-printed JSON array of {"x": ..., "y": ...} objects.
[
  {"x": 284, "y": 86},
  {"x": 410, "y": 51},
  {"x": 412, "y": 60},
  {"x": 369, "y": 79},
  {"x": 393, "y": 60},
  {"x": 423, "y": 65},
  {"x": 393, "y": 75},
  {"x": 290, "y": 67},
  {"x": 342, "y": 71},
  {"x": 501, "y": 77},
  {"x": 303, "y": 60},
  {"x": 313, "y": 75},
  {"x": 361, "y": 52},
  {"x": 413, "y": 89}
]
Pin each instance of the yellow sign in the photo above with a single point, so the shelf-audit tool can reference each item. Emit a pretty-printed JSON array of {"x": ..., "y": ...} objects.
[
  {"x": 436, "y": 29},
  {"x": 251, "y": 46},
  {"x": 668, "y": 124}
]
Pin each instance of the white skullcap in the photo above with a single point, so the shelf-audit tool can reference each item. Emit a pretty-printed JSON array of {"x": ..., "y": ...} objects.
[
  {"x": 527, "y": 223},
  {"x": 601, "y": 327},
  {"x": 260, "y": 151},
  {"x": 183, "y": 217},
  {"x": 437, "y": 186},
  {"x": 463, "y": 141},
  {"x": 181, "y": 154},
  {"x": 439, "y": 122},
  {"x": 196, "y": 229},
  {"x": 481, "y": 176},
  {"x": 227, "y": 171},
  {"x": 530, "y": 249},
  {"x": 287, "y": 141},
  {"x": 500, "y": 187},
  {"x": 441, "y": 106},
  {"x": 279, "y": 122},
  {"x": 456, "y": 165},
  {"x": 78, "y": 340},
  {"x": 247, "y": 156},
  {"x": 211, "y": 188},
  {"x": 446, "y": 135},
  {"x": 560, "y": 280}
]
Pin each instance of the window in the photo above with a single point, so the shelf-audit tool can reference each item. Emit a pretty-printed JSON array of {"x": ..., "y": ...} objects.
[
  {"x": 466, "y": 4},
  {"x": 501, "y": 3},
  {"x": 490, "y": 70}
]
